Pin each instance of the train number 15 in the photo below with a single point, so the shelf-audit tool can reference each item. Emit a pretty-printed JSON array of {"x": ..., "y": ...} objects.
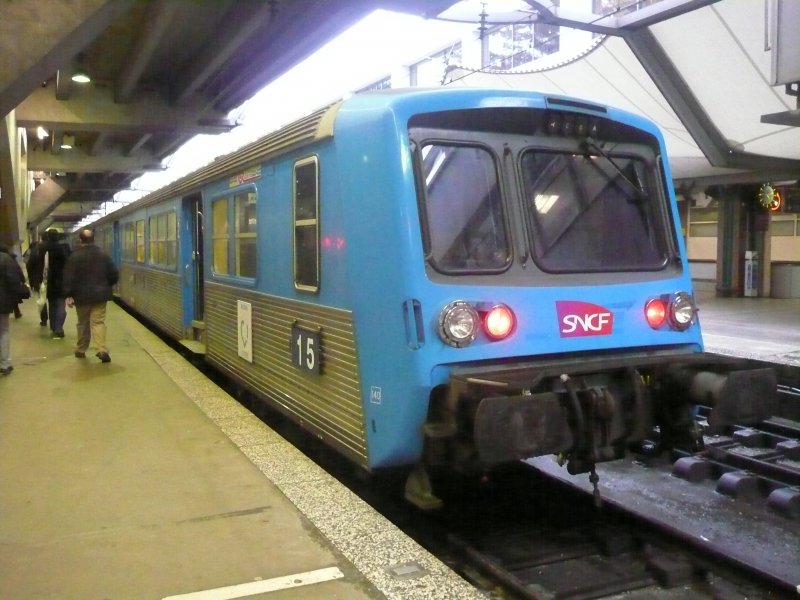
[{"x": 306, "y": 349}]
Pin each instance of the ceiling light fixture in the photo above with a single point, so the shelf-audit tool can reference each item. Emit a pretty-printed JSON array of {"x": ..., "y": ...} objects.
[
  {"x": 41, "y": 133},
  {"x": 67, "y": 142},
  {"x": 81, "y": 76}
]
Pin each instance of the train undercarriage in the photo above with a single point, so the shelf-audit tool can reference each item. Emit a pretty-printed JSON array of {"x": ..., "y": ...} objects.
[{"x": 583, "y": 410}]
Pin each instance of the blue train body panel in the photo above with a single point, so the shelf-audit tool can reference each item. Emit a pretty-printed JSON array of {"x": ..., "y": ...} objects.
[{"x": 388, "y": 272}]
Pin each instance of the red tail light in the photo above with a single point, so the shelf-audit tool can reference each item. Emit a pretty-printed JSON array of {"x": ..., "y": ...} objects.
[
  {"x": 499, "y": 322},
  {"x": 655, "y": 312}
]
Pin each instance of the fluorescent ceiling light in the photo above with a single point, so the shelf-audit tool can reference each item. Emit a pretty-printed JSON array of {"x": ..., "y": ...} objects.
[{"x": 80, "y": 76}]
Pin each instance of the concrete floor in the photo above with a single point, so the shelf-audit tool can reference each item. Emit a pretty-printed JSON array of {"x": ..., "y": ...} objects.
[{"x": 142, "y": 479}]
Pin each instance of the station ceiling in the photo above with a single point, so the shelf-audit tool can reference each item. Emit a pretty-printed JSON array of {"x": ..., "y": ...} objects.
[
  {"x": 706, "y": 71},
  {"x": 161, "y": 72},
  {"x": 165, "y": 70}
]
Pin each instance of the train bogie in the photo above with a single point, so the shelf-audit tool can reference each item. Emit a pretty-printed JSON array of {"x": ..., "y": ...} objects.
[{"x": 458, "y": 278}]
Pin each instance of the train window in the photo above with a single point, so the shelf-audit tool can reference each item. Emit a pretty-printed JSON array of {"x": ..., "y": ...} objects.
[
  {"x": 153, "y": 230},
  {"x": 306, "y": 225},
  {"x": 171, "y": 243},
  {"x": 238, "y": 242},
  {"x": 593, "y": 213},
  {"x": 245, "y": 234},
  {"x": 219, "y": 236},
  {"x": 128, "y": 242},
  {"x": 463, "y": 209},
  {"x": 140, "y": 241},
  {"x": 163, "y": 239}
]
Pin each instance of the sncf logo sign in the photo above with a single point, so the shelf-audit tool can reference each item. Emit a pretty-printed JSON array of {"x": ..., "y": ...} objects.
[{"x": 582, "y": 318}]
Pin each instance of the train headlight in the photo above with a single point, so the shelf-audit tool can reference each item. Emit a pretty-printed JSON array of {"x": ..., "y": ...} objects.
[
  {"x": 499, "y": 322},
  {"x": 458, "y": 324},
  {"x": 681, "y": 311}
]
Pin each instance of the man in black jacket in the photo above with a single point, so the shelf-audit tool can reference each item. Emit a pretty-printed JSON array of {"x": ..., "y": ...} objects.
[
  {"x": 48, "y": 266},
  {"x": 89, "y": 276},
  {"x": 34, "y": 263}
]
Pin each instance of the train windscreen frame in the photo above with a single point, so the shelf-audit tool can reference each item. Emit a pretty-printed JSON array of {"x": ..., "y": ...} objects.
[
  {"x": 592, "y": 212},
  {"x": 463, "y": 210},
  {"x": 615, "y": 217}
]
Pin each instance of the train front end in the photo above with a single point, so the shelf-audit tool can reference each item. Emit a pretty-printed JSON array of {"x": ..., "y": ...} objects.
[{"x": 556, "y": 309}]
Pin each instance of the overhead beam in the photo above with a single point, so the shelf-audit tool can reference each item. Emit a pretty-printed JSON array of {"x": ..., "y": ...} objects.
[
  {"x": 94, "y": 109},
  {"x": 281, "y": 52},
  {"x": 63, "y": 29},
  {"x": 44, "y": 199},
  {"x": 241, "y": 24},
  {"x": 77, "y": 161},
  {"x": 679, "y": 95},
  {"x": 159, "y": 20}
]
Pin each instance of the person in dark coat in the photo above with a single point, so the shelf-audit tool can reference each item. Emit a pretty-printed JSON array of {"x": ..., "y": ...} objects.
[
  {"x": 89, "y": 277},
  {"x": 17, "y": 310},
  {"x": 12, "y": 291},
  {"x": 34, "y": 264},
  {"x": 52, "y": 256}
]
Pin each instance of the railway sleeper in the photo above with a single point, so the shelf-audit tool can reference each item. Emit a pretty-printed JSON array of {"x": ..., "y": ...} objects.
[{"x": 482, "y": 420}]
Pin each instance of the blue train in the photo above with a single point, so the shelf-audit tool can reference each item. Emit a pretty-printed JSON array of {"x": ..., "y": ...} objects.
[{"x": 445, "y": 280}]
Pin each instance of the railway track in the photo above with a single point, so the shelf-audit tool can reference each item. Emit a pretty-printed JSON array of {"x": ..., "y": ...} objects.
[
  {"x": 687, "y": 526},
  {"x": 722, "y": 523}
]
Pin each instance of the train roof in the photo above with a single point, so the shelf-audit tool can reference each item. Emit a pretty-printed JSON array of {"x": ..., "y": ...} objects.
[
  {"x": 319, "y": 125},
  {"x": 316, "y": 126}
]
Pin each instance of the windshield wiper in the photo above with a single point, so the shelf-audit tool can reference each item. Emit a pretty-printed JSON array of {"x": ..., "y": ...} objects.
[{"x": 590, "y": 144}]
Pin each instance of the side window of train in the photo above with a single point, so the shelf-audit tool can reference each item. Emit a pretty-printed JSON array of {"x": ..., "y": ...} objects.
[
  {"x": 163, "y": 240},
  {"x": 244, "y": 242},
  {"x": 219, "y": 236},
  {"x": 463, "y": 209},
  {"x": 237, "y": 244},
  {"x": 140, "y": 241},
  {"x": 128, "y": 242},
  {"x": 305, "y": 195}
]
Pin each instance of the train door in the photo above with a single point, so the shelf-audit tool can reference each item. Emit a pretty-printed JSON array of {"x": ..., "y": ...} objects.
[{"x": 191, "y": 241}]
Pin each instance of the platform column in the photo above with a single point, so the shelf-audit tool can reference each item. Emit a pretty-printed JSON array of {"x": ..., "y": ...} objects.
[
  {"x": 731, "y": 240},
  {"x": 758, "y": 239}
]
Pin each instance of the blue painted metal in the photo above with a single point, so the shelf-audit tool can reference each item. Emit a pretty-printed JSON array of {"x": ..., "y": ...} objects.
[{"x": 373, "y": 264}]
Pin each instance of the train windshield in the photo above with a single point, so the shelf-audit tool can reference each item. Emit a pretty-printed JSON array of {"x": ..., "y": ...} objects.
[
  {"x": 592, "y": 212},
  {"x": 463, "y": 210}
]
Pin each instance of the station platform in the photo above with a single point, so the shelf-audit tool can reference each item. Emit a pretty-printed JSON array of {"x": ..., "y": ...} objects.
[
  {"x": 765, "y": 329},
  {"x": 140, "y": 478}
]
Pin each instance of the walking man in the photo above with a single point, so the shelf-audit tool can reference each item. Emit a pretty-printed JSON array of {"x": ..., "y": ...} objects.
[
  {"x": 89, "y": 276},
  {"x": 48, "y": 267},
  {"x": 34, "y": 263}
]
